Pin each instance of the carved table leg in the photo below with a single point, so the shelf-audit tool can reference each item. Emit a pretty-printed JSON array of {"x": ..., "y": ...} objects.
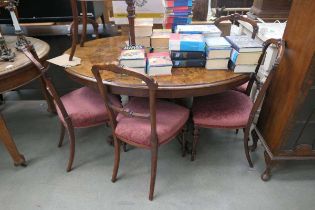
[
  {"x": 265, "y": 176},
  {"x": 8, "y": 142}
]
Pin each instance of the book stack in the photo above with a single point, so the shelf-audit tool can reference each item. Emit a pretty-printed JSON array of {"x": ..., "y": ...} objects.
[
  {"x": 205, "y": 30},
  {"x": 177, "y": 12},
  {"x": 143, "y": 32},
  {"x": 218, "y": 53},
  {"x": 245, "y": 54},
  {"x": 159, "y": 64},
  {"x": 160, "y": 40},
  {"x": 133, "y": 57},
  {"x": 187, "y": 50}
]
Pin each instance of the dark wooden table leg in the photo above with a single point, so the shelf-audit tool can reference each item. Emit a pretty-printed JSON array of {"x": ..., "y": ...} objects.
[{"x": 8, "y": 142}]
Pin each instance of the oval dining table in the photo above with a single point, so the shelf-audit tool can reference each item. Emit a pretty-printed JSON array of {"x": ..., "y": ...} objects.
[
  {"x": 184, "y": 82},
  {"x": 15, "y": 74}
]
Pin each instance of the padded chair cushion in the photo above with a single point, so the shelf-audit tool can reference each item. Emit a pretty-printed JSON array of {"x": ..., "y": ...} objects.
[
  {"x": 169, "y": 119},
  {"x": 85, "y": 107},
  {"x": 242, "y": 88},
  {"x": 229, "y": 109}
]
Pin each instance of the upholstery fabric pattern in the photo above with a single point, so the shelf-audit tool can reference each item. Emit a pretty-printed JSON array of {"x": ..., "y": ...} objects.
[
  {"x": 85, "y": 107},
  {"x": 229, "y": 109},
  {"x": 170, "y": 118}
]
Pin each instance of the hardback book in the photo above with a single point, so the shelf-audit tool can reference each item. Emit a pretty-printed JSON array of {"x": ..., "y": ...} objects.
[
  {"x": 242, "y": 68},
  {"x": 218, "y": 47},
  {"x": 143, "y": 27},
  {"x": 189, "y": 63},
  {"x": 183, "y": 55},
  {"x": 216, "y": 64},
  {"x": 157, "y": 49},
  {"x": 143, "y": 41},
  {"x": 178, "y": 3},
  {"x": 159, "y": 64},
  {"x": 187, "y": 42},
  {"x": 160, "y": 38},
  {"x": 133, "y": 56},
  {"x": 179, "y": 20},
  {"x": 179, "y": 10},
  {"x": 245, "y": 44},
  {"x": 206, "y": 30},
  {"x": 246, "y": 58},
  {"x": 141, "y": 70}
]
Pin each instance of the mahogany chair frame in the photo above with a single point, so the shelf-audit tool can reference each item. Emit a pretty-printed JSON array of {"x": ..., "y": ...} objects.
[
  {"x": 234, "y": 18},
  {"x": 52, "y": 92},
  {"x": 74, "y": 26},
  {"x": 262, "y": 88},
  {"x": 114, "y": 110},
  {"x": 67, "y": 125}
]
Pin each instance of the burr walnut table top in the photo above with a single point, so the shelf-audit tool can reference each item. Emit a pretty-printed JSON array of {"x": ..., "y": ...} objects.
[{"x": 184, "y": 82}]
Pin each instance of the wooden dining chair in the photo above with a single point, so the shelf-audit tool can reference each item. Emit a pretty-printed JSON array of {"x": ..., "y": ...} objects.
[
  {"x": 233, "y": 109},
  {"x": 234, "y": 18},
  {"x": 81, "y": 108},
  {"x": 144, "y": 123},
  {"x": 74, "y": 27}
]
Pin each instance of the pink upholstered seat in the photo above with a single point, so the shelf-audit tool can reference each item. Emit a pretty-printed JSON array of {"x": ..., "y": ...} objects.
[
  {"x": 242, "y": 88},
  {"x": 85, "y": 107},
  {"x": 229, "y": 109},
  {"x": 170, "y": 118}
]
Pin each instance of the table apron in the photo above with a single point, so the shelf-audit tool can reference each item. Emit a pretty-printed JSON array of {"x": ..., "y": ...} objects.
[
  {"x": 165, "y": 92},
  {"x": 18, "y": 78}
]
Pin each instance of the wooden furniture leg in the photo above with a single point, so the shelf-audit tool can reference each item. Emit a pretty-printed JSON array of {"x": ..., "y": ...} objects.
[
  {"x": 195, "y": 141},
  {"x": 255, "y": 138},
  {"x": 8, "y": 142},
  {"x": 265, "y": 176},
  {"x": 74, "y": 29},
  {"x": 84, "y": 22}
]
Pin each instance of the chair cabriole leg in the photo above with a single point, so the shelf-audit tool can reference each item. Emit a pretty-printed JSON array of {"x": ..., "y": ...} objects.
[
  {"x": 72, "y": 147},
  {"x": 184, "y": 141},
  {"x": 62, "y": 134},
  {"x": 195, "y": 141},
  {"x": 154, "y": 151},
  {"x": 255, "y": 138},
  {"x": 117, "y": 158},
  {"x": 84, "y": 23}
]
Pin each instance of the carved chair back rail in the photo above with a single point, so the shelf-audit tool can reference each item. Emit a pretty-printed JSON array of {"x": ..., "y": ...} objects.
[{"x": 234, "y": 18}]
